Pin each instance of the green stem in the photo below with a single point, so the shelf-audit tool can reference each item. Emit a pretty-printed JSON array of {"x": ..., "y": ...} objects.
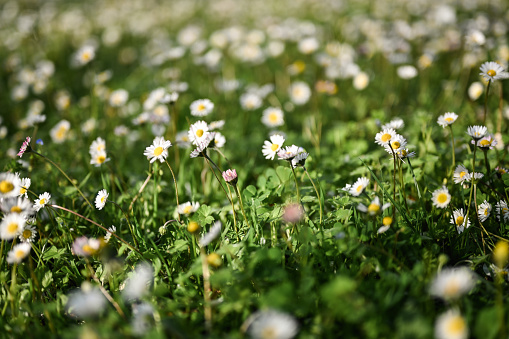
[
  {"x": 473, "y": 185},
  {"x": 206, "y": 290},
  {"x": 241, "y": 204},
  {"x": 13, "y": 289},
  {"x": 453, "y": 151},
  {"x": 61, "y": 171},
  {"x": 486, "y": 103},
  {"x": 296, "y": 182},
  {"x": 176, "y": 188},
  {"x": 128, "y": 222},
  {"x": 393, "y": 183},
  {"x": 220, "y": 183},
  {"x": 234, "y": 216},
  {"x": 488, "y": 169},
  {"x": 318, "y": 196}
]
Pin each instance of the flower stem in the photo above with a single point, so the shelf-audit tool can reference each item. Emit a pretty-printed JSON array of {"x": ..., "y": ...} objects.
[
  {"x": 61, "y": 171},
  {"x": 241, "y": 204},
  {"x": 234, "y": 216},
  {"x": 318, "y": 196},
  {"x": 220, "y": 183},
  {"x": 473, "y": 185},
  {"x": 488, "y": 169},
  {"x": 415, "y": 180},
  {"x": 296, "y": 182},
  {"x": 206, "y": 290},
  {"x": 453, "y": 151},
  {"x": 176, "y": 188},
  {"x": 128, "y": 222},
  {"x": 486, "y": 103}
]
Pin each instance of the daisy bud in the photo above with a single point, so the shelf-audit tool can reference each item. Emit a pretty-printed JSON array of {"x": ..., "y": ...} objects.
[
  {"x": 214, "y": 260},
  {"x": 230, "y": 176},
  {"x": 501, "y": 253}
]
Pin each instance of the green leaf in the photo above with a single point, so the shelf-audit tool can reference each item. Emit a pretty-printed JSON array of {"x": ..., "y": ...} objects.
[
  {"x": 485, "y": 325},
  {"x": 284, "y": 173},
  {"x": 179, "y": 246},
  {"x": 53, "y": 253},
  {"x": 48, "y": 278}
]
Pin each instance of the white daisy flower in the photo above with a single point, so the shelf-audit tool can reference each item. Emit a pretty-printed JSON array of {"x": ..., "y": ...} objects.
[
  {"x": 384, "y": 137},
  {"x": 84, "y": 55},
  {"x": 98, "y": 158},
  {"x": 407, "y": 72},
  {"x": 271, "y": 324},
  {"x": 24, "y": 186},
  {"x": 86, "y": 302},
  {"x": 487, "y": 142},
  {"x": 452, "y": 283},
  {"x": 492, "y": 71},
  {"x": 289, "y": 152},
  {"x": 28, "y": 234},
  {"x": 198, "y": 132},
  {"x": 404, "y": 153},
  {"x": 300, "y": 159},
  {"x": 374, "y": 207},
  {"x": 18, "y": 205},
  {"x": 60, "y": 131},
  {"x": 395, "y": 124},
  {"x": 270, "y": 148},
  {"x": 18, "y": 253},
  {"x": 458, "y": 219},
  {"x": 216, "y": 125},
  {"x": 188, "y": 207},
  {"x": 299, "y": 92},
  {"x": 212, "y": 234},
  {"x": 451, "y": 325},
  {"x": 219, "y": 140},
  {"x": 100, "y": 199},
  {"x": 358, "y": 187},
  {"x": 484, "y": 211},
  {"x": 10, "y": 185},
  {"x": 118, "y": 98},
  {"x": 201, "y": 107},
  {"x": 250, "y": 101},
  {"x": 98, "y": 145},
  {"x": 475, "y": 90},
  {"x": 111, "y": 230},
  {"x": 386, "y": 221},
  {"x": 475, "y": 175},
  {"x": 158, "y": 150},
  {"x": 447, "y": 119},
  {"x": 11, "y": 226},
  {"x": 460, "y": 174},
  {"x": 477, "y": 132},
  {"x": 398, "y": 142},
  {"x": 43, "y": 200},
  {"x": 138, "y": 284},
  {"x": 182, "y": 139},
  {"x": 441, "y": 197},
  {"x": 502, "y": 210},
  {"x": 273, "y": 117},
  {"x": 202, "y": 145}
]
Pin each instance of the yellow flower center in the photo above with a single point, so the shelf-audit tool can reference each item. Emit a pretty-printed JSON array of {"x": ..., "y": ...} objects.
[
  {"x": 486, "y": 212},
  {"x": 462, "y": 174},
  {"x": 373, "y": 208},
  {"x": 274, "y": 147},
  {"x": 491, "y": 73},
  {"x": 200, "y": 107},
  {"x": 12, "y": 227},
  {"x": 455, "y": 326},
  {"x": 459, "y": 220},
  {"x": 387, "y": 221},
  {"x": 6, "y": 186},
  {"x": 159, "y": 150},
  {"x": 452, "y": 289},
  {"x": 85, "y": 56},
  {"x": 273, "y": 117},
  {"x": 16, "y": 209},
  {"x": 386, "y": 137},
  {"x": 42, "y": 201},
  {"x": 102, "y": 199},
  {"x": 27, "y": 234},
  {"x": 187, "y": 209},
  {"x": 396, "y": 145},
  {"x": 199, "y": 133},
  {"x": 269, "y": 333},
  {"x": 442, "y": 198},
  {"x": 19, "y": 254},
  {"x": 60, "y": 134},
  {"x": 485, "y": 143},
  {"x": 88, "y": 249},
  {"x": 101, "y": 159},
  {"x": 22, "y": 190},
  {"x": 359, "y": 188},
  {"x": 449, "y": 119}
]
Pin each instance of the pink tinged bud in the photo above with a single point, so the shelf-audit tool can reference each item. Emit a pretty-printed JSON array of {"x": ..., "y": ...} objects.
[
  {"x": 24, "y": 147},
  {"x": 230, "y": 176}
]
